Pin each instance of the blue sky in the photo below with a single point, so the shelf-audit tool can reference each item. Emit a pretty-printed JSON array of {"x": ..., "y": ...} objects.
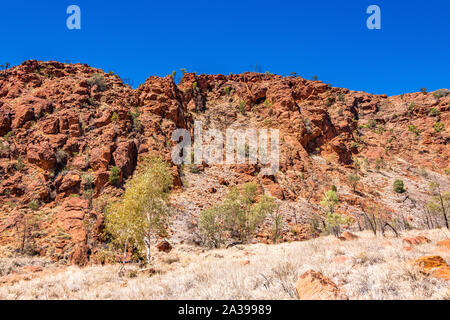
[{"x": 329, "y": 39}]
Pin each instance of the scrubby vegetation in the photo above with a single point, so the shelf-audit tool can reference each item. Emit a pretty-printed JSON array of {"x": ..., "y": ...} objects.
[{"x": 239, "y": 216}]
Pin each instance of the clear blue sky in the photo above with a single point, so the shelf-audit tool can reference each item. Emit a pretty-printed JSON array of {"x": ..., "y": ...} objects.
[{"x": 329, "y": 39}]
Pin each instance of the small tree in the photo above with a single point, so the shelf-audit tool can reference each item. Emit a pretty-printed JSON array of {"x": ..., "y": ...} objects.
[
  {"x": 240, "y": 214},
  {"x": 439, "y": 203},
  {"x": 353, "y": 178},
  {"x": 143, "y": 212},
  {"x": 211, "y": 227},
  {"x": 334, "y": 222},
  {"x": 277, "y": 225},
  {"x": 398, "y": 186},
  {"x": 330, "y": 201}
]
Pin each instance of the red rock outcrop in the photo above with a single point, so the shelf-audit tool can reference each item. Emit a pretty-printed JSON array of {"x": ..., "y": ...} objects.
[{"x": 65, "y": 126}]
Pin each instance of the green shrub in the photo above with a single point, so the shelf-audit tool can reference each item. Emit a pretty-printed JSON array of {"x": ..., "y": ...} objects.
[
  {"x": 239, "y": 215},
  {"x": 423, "y": 90},
  {"x": 268, "y": 103},
  {"x": 353, "y": 178},
  {"x": 438, "y": 127},
  {"x": 399, "y": 186},
  {"x": 33, "y": 205},
  {"x": 114, "y": 175},
  {"x": 441, "y": 93},
  {"x": 434, "y": 112},
  {"x": 413, "y": 128},
  {"x": 115, "y": 117},
  {"x": 242, "y": 107},
  {"x": 135, "y": 119},
  {"x": 20, "y": 164},
  {"x": 227, "y": 90}
]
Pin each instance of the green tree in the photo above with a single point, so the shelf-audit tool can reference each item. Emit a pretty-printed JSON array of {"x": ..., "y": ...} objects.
[
  {"x": 329, "y": 201},
  {"x": 333, "y": 220},
  {"x": 240, "y": 214},
  {"x": 143, "y": 212},
  {"x": 353, "y": 178},
  {"x": 211, "y": 226},
  {"x": 277, "y": 225}
]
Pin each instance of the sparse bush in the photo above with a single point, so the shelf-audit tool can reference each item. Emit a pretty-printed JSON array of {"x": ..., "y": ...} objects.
[
  {"x": 135, "y": 119},
  {"x": 413, "y": 128},
  {"x": 439, "y": 204},
  {"x": 441, "y": 93},
  {"x": 424, "y": 90},
  {"x": 20, "y": 164},
  {"x": 434, "y": 112},
  {"x": 227, "y": 90},
  {"x": 277, "y": 225},
  {"x": 240, "y": 214},
  {"x": 242, "y": 107},
  {"x": 334, "y": 222},
  {"x": 88, "y": 180},
  {"x": 61, "y": 156},
  {"x": 115, "y": 117},
  {"x": 99, "y": 80},
  {"x": 268, "y": 103},
  {"x": 114, "y": 176},
  {"x": 438, "y": 127},
  {"x": 398, "y": 186},
  {"x": 330, "y": 201},
  {"x": 353, "y": 178},
  {"x": 33, "y": 205}
]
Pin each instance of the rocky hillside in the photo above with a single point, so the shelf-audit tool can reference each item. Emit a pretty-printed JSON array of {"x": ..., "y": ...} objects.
[{"x": 65, "y": 127}]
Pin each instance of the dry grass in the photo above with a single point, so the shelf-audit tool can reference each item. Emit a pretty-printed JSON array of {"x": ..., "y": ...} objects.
[
  {"x": 11, "y": 265},
  {"x": 373, "y": 270}
]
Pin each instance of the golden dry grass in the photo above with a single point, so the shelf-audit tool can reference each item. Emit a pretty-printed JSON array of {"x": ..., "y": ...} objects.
[{"x": 373, "y": 270}]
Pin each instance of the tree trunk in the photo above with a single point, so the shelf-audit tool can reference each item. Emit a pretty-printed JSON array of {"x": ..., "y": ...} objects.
[
  {"x": 124, "y": 256},
  {"x": 443, "y": 210},
  {"x": 147, "y": 247}
]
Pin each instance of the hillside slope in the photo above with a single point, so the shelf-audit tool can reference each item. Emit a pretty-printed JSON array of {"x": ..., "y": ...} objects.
[{"x": 65, "y": 126}]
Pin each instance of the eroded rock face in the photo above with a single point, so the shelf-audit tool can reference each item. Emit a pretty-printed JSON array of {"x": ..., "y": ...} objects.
[
  {"x": 125, "y": 157},
  {"x": 62, "y": 136}
]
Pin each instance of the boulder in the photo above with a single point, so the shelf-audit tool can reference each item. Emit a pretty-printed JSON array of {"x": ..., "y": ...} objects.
[
  {"x": 313, "y": 285},
  {"x": 164, "y": 246},
  {"x": 349, "y": 236},
  {"x": 445, "y": 244},
  {"x": 428, "y": 264},
  {"x": 416, "y": 240}
]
